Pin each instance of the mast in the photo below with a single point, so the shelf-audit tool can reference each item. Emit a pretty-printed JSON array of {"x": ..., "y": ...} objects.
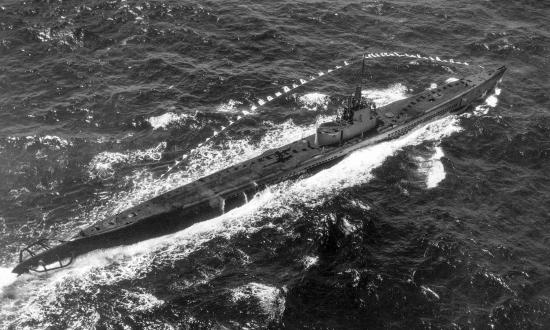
[
  {"x": 356, "y": 103},
  {"x": 354, "y": 100},
  {"x": 362, "y": 72}
]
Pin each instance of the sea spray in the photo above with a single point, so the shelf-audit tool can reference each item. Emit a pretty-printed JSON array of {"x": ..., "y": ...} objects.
[
  {"x": 432, "y": 168},
  {"x": 7, "y": 278}
]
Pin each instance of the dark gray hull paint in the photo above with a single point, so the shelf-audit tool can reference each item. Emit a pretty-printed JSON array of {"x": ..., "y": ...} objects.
[{"x": 224, "y": 190}]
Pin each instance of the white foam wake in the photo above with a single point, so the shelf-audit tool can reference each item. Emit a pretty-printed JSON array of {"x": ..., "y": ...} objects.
[
  {"x": 102, "y": 165},
  {"x": 432, "y": 168},
  {"x": 6, "y": 278},
  {"x": 490, "y": 102}
]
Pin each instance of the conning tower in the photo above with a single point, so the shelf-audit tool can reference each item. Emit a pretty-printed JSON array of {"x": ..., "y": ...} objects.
[{"x": 359, "y": 115}]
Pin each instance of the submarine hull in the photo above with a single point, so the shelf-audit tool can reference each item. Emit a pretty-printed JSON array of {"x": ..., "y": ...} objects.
[
  {"x": 151, "y": 227},
  {"x": 219, "y": 192}
]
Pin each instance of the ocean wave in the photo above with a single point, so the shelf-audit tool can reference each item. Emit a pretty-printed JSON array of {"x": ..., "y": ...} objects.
[
  {"x": 429, "y": 292},
  {"x": 432, "y": 168},
  {"x": 310, "y": 261},
  {"x": 166, "y": 119},
  {"x": 102, "y": 166},
  {"x": 270, "y": 300},
  {"x": 229, "y": 106},
  {"x": 51, "y": 142},
  {"x": 139, "y": 301},
  {"x": 489, "y": 103},
  {"x": 60, "y": 36},
  {"x": 7, "y": 278}
]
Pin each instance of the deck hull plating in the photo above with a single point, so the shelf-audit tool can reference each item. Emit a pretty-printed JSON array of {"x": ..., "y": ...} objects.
[{"x": 222, "y": 191}]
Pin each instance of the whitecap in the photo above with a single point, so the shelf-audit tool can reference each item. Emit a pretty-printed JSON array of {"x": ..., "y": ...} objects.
[
  {"x": 63, "y": 36},
  {"x": 166, "y": 119},
  {"x": 427, "y": 291},
  {"x": 490, "y": 102},
  {"x": 139, "y": 301},
  {"x": 52, "y": 142},
  {"x": 499, "y": 280},
  {"x": 309, "y": 261},
  {"x": 102, "y": 165},
  {"x": 270, "y": 299},
  {"x": 7, "y": 278},
  {"x": 229, "y": 106},
  {"x": 360, "y": 205},
  {"x": 432, "y": 168}
]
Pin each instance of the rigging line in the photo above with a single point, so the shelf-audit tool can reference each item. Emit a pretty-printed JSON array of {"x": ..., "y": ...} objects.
[
  {"x": 286, "y": 90},
  {"x": 348, "y": 62}
]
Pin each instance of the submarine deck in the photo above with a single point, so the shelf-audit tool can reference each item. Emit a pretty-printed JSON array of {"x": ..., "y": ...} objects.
[{"x": 274, "y": 164}]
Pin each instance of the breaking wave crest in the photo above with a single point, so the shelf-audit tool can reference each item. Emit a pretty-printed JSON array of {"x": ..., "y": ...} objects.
[
  {"x": 6, "y": 278},
  {"x": 102, "y": 166},
  {"x": 51, "y": 142},
  {"x": 270, "y": 300},
  {"x": 166, "y": 119},
  {"x": 432, "y": 168},
  {"x": 489, "y": 103},
  {"x": 229, "y": 106}
]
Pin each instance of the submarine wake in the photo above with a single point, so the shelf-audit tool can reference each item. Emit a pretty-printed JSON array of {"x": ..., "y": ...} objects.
[
  {"x": 432, "y": 168},
  {"x": 6, "y": 278}
]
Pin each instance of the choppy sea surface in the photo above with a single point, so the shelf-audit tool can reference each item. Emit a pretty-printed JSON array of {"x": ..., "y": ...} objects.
[{"x": 104, "y": 104}]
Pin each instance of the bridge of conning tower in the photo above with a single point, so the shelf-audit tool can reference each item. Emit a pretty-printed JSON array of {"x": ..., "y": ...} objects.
[
  {"x": 354, "y": 103},
  {"x": 358, "y": 116}
]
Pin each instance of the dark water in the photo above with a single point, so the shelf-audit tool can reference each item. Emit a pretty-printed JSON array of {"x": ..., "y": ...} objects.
[{"x": 445, "y": 228}]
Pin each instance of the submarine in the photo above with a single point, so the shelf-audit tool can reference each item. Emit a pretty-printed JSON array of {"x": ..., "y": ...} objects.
[{"x": 360, "y": 124}]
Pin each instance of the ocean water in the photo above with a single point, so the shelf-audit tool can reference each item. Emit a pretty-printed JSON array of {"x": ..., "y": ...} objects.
[{"x": 105, "y": 104}]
